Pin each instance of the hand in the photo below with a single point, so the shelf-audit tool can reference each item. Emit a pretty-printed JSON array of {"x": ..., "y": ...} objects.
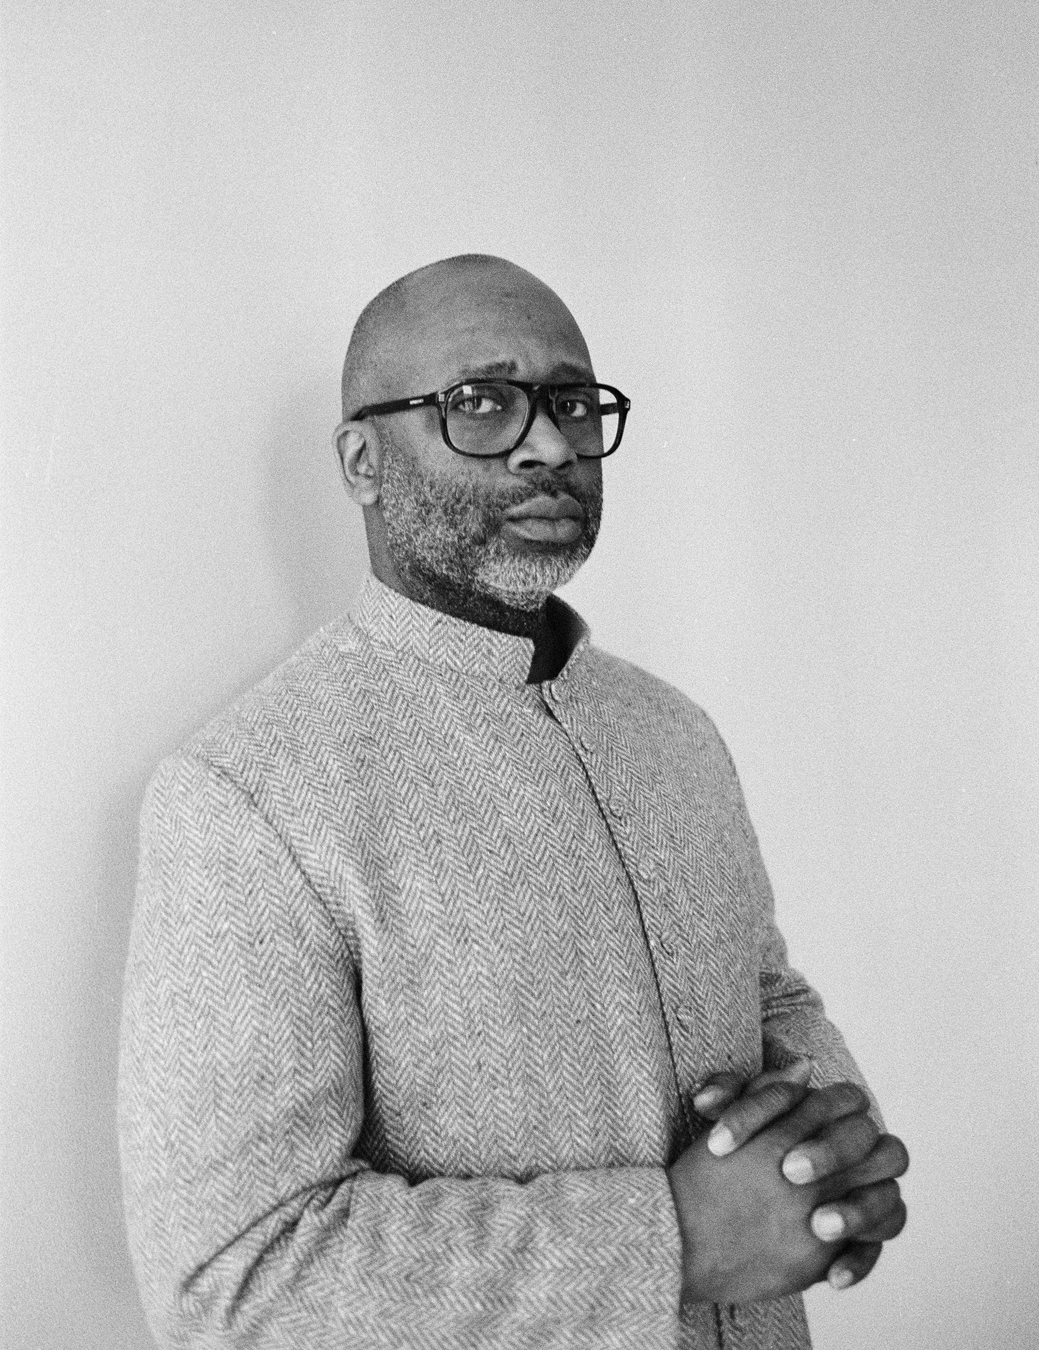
[
  {"x": 746, "y": 1228},
  {"x": 744, "y": 1107}
]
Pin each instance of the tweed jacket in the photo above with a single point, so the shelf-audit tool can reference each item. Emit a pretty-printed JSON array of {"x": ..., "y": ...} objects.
[{"x": 426, "y": 967}]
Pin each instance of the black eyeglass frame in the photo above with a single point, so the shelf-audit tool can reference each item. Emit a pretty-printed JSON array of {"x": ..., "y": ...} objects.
[{"x": 537, "y": 395}]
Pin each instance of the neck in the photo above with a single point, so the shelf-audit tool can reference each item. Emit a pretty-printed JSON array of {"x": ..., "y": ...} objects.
[{"x": 550, "y": 647}]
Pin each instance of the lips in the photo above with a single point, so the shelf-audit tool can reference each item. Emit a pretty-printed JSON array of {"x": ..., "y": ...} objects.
[
  {"x": 546, "y": 508},
  {"x": 546, "y": 521}
]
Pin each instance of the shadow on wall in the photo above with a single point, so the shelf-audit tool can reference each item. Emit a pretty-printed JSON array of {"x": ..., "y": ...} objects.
[
  {"x": 314, "y": 533},
  {"x": 115, "y": 1314},
  {"x": 314, "y": 539}
]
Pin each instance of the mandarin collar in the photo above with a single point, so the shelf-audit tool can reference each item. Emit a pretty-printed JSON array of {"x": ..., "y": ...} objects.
[{"x": 391, "y": 620}]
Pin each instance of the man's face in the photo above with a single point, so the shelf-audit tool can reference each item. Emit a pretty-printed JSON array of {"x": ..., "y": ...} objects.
[{"x": 450, "y": 521}]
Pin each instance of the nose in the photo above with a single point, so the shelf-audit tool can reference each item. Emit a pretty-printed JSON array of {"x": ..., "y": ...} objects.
[{"x": 543, "y": 444}]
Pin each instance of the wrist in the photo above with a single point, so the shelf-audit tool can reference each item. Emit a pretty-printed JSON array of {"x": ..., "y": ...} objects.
[{"x": 692, "y": 1284}]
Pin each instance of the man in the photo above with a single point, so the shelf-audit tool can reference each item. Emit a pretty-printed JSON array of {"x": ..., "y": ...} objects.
[{"x": 454, "y": 934}]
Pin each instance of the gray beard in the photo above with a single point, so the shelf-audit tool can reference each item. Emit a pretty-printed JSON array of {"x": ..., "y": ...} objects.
[{"x": 445, "y": 540}]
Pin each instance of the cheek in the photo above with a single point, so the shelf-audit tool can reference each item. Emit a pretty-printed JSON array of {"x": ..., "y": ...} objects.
[
  {"x": 587, "y": 480},
  {"x": 438, "y": 464}
]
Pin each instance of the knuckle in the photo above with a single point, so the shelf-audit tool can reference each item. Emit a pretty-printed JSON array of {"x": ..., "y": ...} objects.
[
  {"x": 894, "y": 1154},
  {"x": 832, "y": 1103},
  {"x": 849, "y": 1097},
  {"x": 790, "y": 1100},
  {"x": 744, "y": 1117},
  {"x": 738, "y": 1118},
  {"x": 772, "y": 1099},
  {"x": 763, "y": 1079},
  {"x": 870, "y": 1255},
  {"x": 890, "y": 1224},
  {"x": 883, "y": 1197},
  {"x": 870, "y": 1128},
  {"x": 899, "y": 1219},
  {"x": 853, "y": 1139},
  {"x": 881, "y": 1211},
  {"x": 737, "y": 1111}
]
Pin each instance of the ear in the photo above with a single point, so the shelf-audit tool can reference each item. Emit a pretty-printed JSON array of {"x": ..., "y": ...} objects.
[{"x": 360, "y": 461}]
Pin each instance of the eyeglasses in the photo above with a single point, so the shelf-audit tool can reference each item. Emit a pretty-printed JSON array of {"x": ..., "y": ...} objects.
[{"x": 485, "y": 418}]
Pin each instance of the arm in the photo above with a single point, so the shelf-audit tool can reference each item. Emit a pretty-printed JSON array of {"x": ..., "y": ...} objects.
[
  {"x": 253, "y": 1221},
  {"x": 808, "y": 1075},
  {"x": 794, "y": 1024}
]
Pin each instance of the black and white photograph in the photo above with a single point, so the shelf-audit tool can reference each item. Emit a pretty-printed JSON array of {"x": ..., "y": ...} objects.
[{"x": 519, "y": 770}]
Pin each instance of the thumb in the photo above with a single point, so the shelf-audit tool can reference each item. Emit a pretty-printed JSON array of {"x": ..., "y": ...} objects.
[
  {"x": 716, "y": 1094},
  {"x": 798, "y": 1071}
]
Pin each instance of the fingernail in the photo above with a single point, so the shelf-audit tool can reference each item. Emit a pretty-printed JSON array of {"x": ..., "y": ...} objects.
[
  {"x": 840, "y": 1277},
  {"x": 797, "y": 1167},
  {"x": 827, "y": 1225},
  {"x": 710, "y": 1096},
  {"x": 721, "y": 1141}
]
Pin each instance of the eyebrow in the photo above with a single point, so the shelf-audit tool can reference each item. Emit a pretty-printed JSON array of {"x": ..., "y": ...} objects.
[{"x": 560, "y": 373}]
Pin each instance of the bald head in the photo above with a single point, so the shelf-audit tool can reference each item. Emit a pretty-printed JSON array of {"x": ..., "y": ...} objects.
[
  {"x": 420, "y": 324},
  {"x": 438, "y": 523}
]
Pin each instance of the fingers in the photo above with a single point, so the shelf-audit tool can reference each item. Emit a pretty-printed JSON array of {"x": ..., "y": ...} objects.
[
  {"x": 798, "y": 1071},
  {"x": 721, "y": 1089},
  {"x": 869, "y": 1214},
  {"x": 874, "y": 1213},
  {"x": 887, "y": 1160},
  {"x": 744, "y": 1118},
  {"x": 853, "y": 1264},
  {"x": 716, "y": 1094},
  {"x": 837, "y": 1147},
  {"x": 818, "y": 1109}
]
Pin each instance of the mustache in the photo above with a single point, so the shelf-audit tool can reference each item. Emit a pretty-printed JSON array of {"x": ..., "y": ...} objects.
[{"x": 543, "y": 483}]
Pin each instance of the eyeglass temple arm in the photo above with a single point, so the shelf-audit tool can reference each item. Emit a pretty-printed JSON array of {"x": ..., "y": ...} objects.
[{"x": 397, "y": 405}]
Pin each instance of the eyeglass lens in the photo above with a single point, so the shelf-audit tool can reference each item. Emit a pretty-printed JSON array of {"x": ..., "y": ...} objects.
[{"x": 487, "y": 418}]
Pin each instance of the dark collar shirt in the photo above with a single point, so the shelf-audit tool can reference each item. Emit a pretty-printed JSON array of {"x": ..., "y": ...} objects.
[{"x": 427, "y": 966}]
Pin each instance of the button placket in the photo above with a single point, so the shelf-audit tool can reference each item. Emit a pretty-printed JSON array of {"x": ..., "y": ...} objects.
[
  {"x": 557, "y": 691},
  {"x": 616, "y": 805}
]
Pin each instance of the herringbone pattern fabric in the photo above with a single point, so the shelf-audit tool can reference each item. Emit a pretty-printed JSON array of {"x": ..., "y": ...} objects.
[{"x": 426, "y": 967}]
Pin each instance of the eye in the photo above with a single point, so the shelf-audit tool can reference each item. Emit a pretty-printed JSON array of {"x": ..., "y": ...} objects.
[
  {"x": 476, "y": 400},
  {"x": 576, "y": 405}
]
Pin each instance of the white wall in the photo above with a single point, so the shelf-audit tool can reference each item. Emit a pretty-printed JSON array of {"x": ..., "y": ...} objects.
[{"x": 802, "y": 237}]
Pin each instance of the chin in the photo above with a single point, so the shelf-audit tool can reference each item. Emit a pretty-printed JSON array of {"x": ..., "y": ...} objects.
[
  {"x": 528, "y": 602},
  {"x": 526, "y": 580}
]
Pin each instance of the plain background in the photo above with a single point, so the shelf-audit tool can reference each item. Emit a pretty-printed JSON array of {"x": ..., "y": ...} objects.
[{"x": 802, "y": 238}]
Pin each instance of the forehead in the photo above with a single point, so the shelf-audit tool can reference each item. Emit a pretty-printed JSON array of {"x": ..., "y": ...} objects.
[{"x": 503, "y": 324}]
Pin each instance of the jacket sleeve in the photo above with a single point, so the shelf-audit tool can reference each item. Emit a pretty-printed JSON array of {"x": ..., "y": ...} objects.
[
  {"x": 793, "y": 1019},
  {"x": 253, "y": 1222}
]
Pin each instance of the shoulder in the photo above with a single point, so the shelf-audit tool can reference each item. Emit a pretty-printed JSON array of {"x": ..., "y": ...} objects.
[
  {"x": 311, "y": 706},
  {"x": 633, "y": 690},
  {"x": 657, "y": 722}
]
